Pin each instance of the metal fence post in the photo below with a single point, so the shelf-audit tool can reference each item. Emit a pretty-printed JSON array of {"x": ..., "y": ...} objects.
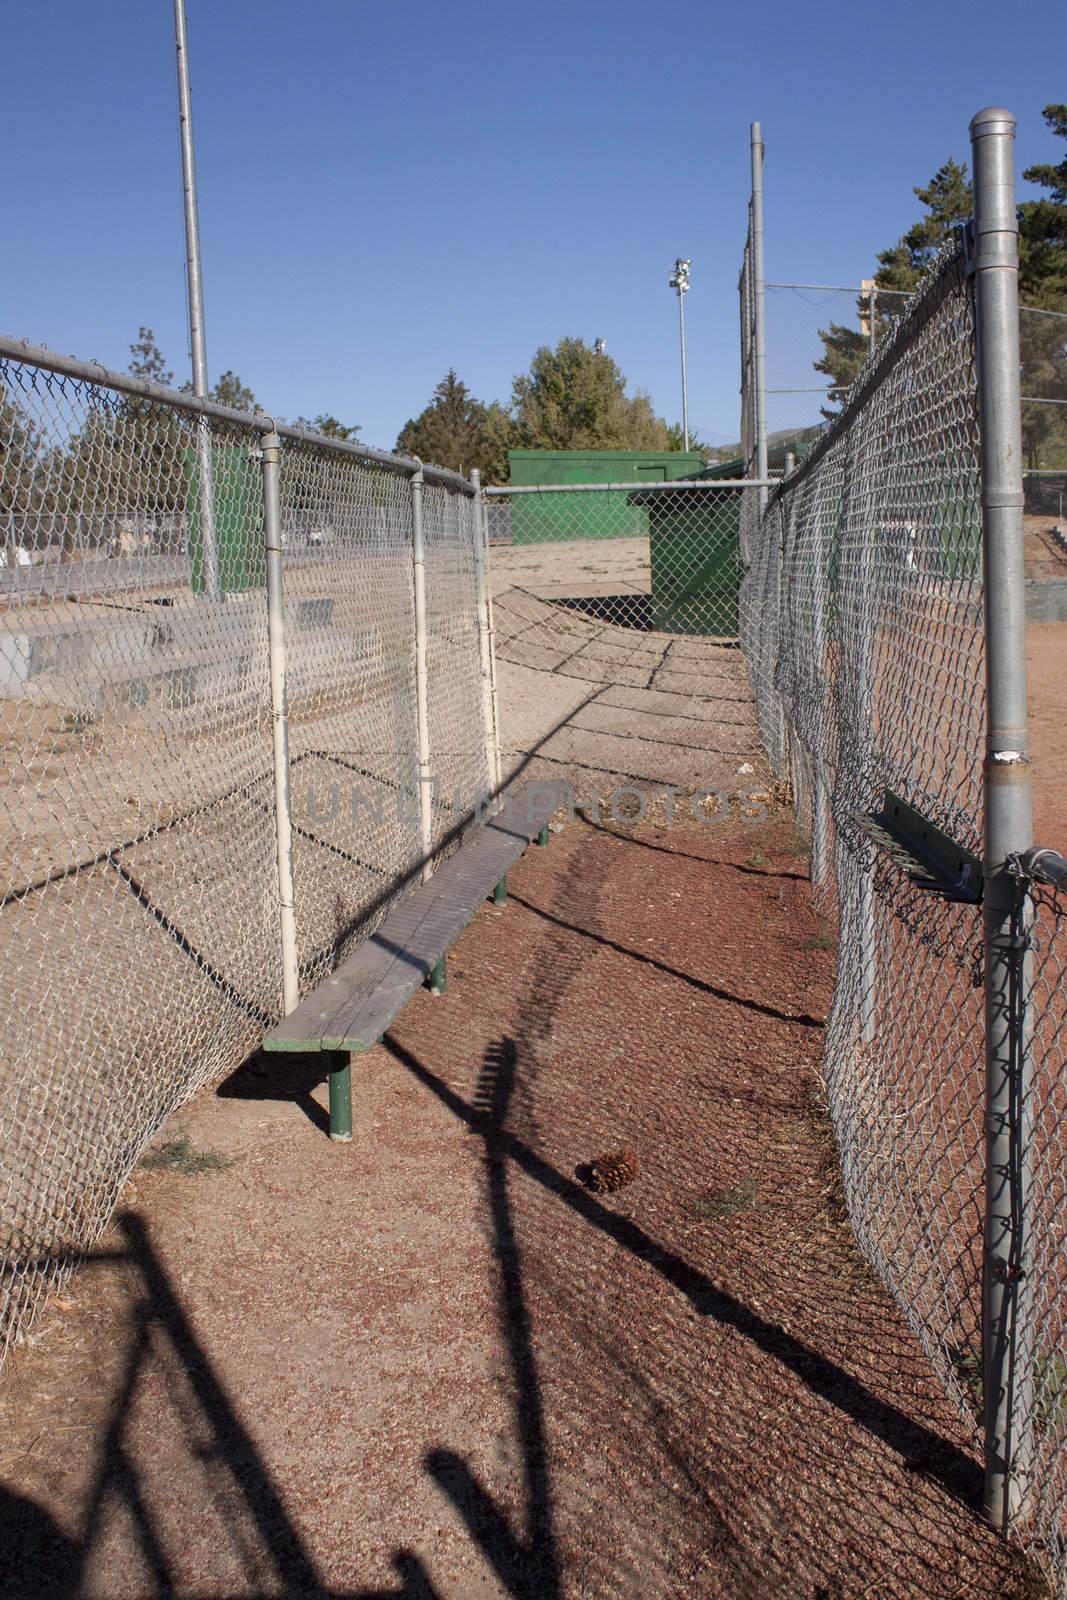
[
  {"x": 870, "y": 628},
  {"x": 270, "y": 454},
  {"x": 1006, "y": 1356},
  {"x": 820, "y": 831},
  {"x": 422, "y": 696},
  {"x": 485, "y": 634},
  {"x": 759, "y": 350}
]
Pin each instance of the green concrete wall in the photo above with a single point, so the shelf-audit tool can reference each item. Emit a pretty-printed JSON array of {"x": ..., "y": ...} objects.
[{"x": 536, "y": 519}]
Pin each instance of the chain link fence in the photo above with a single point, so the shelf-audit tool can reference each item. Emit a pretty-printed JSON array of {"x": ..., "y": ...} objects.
[
  {"x": 862, "y": 623},
  {"x": 141, "y": 948},
  {"x": 604, "y": 581}
]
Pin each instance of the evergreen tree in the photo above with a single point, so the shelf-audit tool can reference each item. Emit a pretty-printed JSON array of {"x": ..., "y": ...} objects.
[
  {"x": 1043, "y": 228},
  {"x": 948, "y": 198},
  {"x": 328, "y": 425},
  {"x": 454, "y": 430},
  {"x": 148, "y": 361},
  {"x": 574, "y": 398},
  {"x": 21, "y": 450},
  {"x": 1043, "y": 283},
  {"x": 230, "y": 391}
]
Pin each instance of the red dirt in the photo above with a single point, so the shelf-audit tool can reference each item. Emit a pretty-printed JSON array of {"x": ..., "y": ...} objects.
[
  {"x": 431, "y": 1363},
  {"x": 1046, "y": 644}
]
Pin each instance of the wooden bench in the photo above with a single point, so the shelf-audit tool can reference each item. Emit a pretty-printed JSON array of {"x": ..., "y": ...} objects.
[{"x": 350, "y": 1010}]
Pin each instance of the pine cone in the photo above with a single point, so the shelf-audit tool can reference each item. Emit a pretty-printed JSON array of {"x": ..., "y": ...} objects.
[{"x": 613, "y": 1171}]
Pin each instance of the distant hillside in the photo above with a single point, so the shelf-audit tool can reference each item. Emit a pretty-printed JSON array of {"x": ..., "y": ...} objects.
[{"x": 781, "y": 436}]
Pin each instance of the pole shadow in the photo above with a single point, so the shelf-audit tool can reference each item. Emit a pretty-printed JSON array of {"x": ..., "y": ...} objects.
[
  {"x": 44, "y": 1563},
  {"x": 527, "y": 1567}
]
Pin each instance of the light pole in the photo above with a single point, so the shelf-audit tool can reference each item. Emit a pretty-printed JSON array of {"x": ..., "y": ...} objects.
[
  {"x": 679, "y": 279},
  {"x": 209, "y": 559},
  {"x": 197, "y": 341}
]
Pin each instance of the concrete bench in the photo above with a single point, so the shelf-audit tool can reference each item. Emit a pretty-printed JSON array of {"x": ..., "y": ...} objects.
[{"x": 349, "y": 1011}]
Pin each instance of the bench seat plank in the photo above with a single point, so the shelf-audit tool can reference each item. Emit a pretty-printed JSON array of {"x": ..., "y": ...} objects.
[{"x": 352, "y": 1008}]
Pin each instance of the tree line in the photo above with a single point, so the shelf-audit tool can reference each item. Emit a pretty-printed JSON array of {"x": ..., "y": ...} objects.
[
  {"x": 948, "y": 200},
  {"x": 148, "y": 362},
  {"x": 74, "y": 461},
  {"x": 573, "y": 397}
]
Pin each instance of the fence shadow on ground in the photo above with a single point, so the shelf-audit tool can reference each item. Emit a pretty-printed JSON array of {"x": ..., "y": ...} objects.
[
  {"x": 831, "y": 1508},
  {"x": 925, "y": 1450},
  {"x": 44, "y": 1563},
  {"x": 760, "y": 1425}
]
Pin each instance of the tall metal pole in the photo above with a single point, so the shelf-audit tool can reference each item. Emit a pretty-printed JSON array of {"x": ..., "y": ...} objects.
[
  {"x": 271, "y": 450},
  {"x": 197, "y": 343},
  {"x": 685, "y": 388},
  {"x": 1006, "y": 1332},
  {"x": 872, "y": 312},
  {"x": 759, "y": 351},
  {"x": 195, "y": 289},
  {"x": 679, "y": 279}
]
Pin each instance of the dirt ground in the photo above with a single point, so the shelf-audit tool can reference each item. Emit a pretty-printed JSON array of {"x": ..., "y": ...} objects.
[
  {"x": 1046, "y": 651},
  {"x": 433, "y": 1363},
  {"x": 1044, "y": 555}
]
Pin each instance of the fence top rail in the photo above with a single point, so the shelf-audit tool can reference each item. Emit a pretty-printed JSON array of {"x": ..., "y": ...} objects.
[
  {"x": 30, "y": 355},
  {"x": 655, "y": 488}
]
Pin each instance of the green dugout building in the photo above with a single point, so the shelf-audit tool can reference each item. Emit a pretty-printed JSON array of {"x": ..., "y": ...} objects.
[
  {"x": 692, "y": 533},
  {"x": 536, "y": 519}
]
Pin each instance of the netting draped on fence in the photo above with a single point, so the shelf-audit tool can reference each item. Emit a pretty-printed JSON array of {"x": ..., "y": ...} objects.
[
  {"x": 140, "y": 920},
  {"x": 862, "y": 626}
]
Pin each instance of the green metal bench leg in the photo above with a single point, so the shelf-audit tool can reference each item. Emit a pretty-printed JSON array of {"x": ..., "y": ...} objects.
[
  {"x": 339, "y": 1066},
  {"x": 500, "y": 893},
  {"x": 438, "y": 979},
  {"x": 543, "y": 836}
]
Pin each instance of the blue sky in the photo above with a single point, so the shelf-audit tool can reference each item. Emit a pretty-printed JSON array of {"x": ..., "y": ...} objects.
[{"x": 387, "y": 190}]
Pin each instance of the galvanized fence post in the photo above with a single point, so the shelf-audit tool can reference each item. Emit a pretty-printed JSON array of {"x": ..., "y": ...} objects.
[
  {"x": 870, "y": 625},
  {"x": 820, "y": 831},
  {"x": 1007, "y": 1358},
  {"x": 759, "y": 295},
  {"x": 485, "y": 634},
  {"x": 270, "y": 455},
  {"x": 422, "y": 697}
]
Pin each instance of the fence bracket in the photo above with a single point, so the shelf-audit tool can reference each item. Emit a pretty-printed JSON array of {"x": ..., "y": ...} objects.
[{"x": 931, "y": 858}]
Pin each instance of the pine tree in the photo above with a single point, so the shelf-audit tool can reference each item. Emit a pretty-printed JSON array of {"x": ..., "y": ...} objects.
[
  {"x": 148, "y": 360},
  {"x": 948, "y": 198},
  {"x": 455, "y": 430},
  {"x": 574, "y": 398},
  {"x": 1043, "y": 283},
  {"x": 230, "y": 391}
]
